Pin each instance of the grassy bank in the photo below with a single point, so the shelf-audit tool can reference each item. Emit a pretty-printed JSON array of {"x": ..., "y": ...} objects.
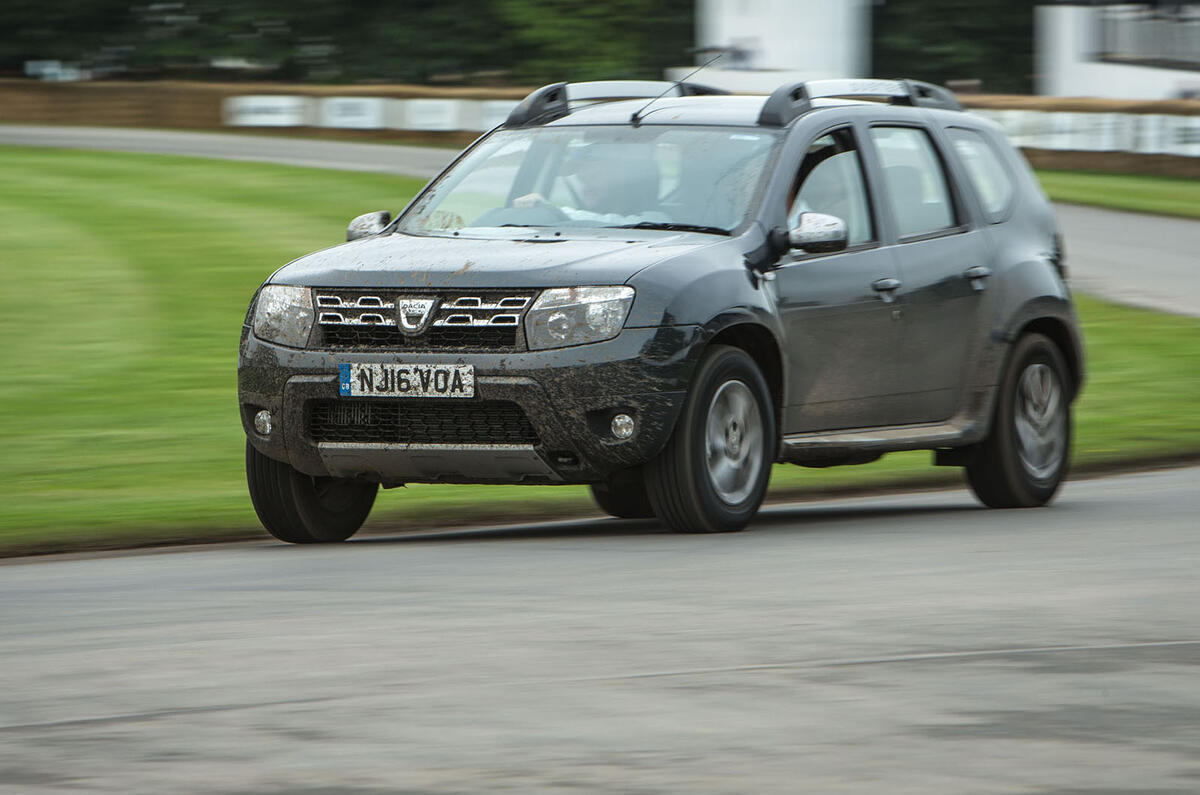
[
  {"x": 126, "y": 279},
  {"x": 1146, "y": 194}
]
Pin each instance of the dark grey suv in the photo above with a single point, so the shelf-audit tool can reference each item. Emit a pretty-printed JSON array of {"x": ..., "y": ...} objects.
[{"x": 660, "y": 291}]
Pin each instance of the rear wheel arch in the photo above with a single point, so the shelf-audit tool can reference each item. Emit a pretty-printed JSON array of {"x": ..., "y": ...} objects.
[
  {"x": 1064, "y": 339},
  {"x": 1026, "y": 454}
]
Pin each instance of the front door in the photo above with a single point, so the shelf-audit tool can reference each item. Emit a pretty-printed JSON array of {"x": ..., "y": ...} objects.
[{"x": 838, "y": 315}]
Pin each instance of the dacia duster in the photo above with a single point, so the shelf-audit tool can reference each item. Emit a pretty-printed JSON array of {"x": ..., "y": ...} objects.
[{"x": 660, "y": 291}]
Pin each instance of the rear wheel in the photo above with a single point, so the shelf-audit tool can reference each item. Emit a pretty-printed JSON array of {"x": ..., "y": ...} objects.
[
  {"x": 713, "y": 473},
  {"x": 302, "y": 509},
  {"x": 1024, "y": 460},
  {"x": 624, "y": 495}
]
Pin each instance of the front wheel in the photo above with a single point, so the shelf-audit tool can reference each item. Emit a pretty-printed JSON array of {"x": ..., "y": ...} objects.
[
  {"x": 301, "y": 509},
  {"x": 1024, "y": 459},
  {"x": 712, "y": 475}
]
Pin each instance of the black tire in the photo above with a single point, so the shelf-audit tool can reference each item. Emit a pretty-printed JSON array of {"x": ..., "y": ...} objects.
[
  {"x": 624, "y": 495},
  {"x": 1003, "y": 471},
  {"x": 682, "y": 492},
  {"x": 301, "y": 509}
]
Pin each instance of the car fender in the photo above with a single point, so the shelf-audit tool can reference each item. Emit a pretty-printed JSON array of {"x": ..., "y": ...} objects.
[
  {"x": 715, "y": 290},
  {"x": 1055, "y": 317}
]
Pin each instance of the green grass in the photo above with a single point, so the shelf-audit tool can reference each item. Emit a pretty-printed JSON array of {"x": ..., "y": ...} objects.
[
  {"x": 126, "y": 279},
  {"x": 1148, "y": 194}
]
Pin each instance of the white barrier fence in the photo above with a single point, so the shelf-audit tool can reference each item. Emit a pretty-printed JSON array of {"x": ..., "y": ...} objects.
[
  {"x": 1149, "y": 133},
  {"x": 366, "y": 113},
  {"x": 1144, "y": 133}
]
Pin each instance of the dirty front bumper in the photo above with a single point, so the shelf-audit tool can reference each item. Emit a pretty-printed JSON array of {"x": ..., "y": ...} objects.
[{"x": 569, "y": 396}]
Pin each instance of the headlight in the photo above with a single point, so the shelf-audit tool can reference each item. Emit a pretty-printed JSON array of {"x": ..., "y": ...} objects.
[
  {"x": 284, "y": 315},
  {"x": 577, "y": 315}
]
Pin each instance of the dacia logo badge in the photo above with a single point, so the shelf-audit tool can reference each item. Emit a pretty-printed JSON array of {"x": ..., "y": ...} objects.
[{"x": 414, "y": 314}]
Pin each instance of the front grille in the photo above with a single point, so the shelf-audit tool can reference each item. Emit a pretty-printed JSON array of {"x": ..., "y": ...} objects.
[
  {"x": 390, "y": 338},
  {"x": 417, "y": 421},
  {"x": 483, "y": 320}
]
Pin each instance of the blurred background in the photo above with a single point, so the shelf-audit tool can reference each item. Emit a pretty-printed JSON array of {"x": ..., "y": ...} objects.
[
  {"x": 127, "y": 271},
  {"x": 1002, "y": 47},
  {"x": 1066, "y": 48}
]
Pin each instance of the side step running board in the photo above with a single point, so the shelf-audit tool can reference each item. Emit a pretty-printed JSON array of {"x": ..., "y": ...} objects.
[{"x": 802, "y": 446}]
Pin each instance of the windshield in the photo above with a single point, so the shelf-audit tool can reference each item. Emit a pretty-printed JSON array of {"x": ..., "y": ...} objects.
[{"x": 699, "y": 178}]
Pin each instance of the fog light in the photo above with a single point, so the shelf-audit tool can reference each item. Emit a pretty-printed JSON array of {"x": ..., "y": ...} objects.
[
  {"x": 622, "y": 426},
  {"x": 262, "y": 422}
]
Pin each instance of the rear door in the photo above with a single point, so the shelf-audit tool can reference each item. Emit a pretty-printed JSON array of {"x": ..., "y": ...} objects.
[{"x": 942, "y": 260}]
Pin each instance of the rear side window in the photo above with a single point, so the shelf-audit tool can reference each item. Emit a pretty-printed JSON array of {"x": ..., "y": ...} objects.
[
  {"x": 986, "y": 171},
  {"x": 916, "y": 183}
]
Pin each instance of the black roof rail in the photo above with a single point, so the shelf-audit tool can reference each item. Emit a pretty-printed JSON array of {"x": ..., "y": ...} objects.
[
  {"x": 553, "y": 101},
  {"x": 699, "y": 90},
  {"x": 785, "y": 104},
  {"x": 791, "y": 100},
  {"x": 927, "y": 95},
  {"x": 546, "y": 104},
  {"x": 900, "y": 92}
]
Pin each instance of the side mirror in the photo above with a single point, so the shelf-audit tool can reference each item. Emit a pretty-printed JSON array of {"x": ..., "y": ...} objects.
[
  {"x": 819, "y": 233},
  {"x": 368, "y": 224}
]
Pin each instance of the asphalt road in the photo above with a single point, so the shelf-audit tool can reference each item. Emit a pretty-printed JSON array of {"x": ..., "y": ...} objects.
[
  {"x": 901, "y": 644},
  {"x": 414, "y": 161},
  {"x": 1138, "y": 259}
]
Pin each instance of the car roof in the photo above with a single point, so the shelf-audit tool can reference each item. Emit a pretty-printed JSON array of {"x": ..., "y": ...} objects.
[
  {"x": 682, "y": 103},
  {"x": 717, "y": 110}
]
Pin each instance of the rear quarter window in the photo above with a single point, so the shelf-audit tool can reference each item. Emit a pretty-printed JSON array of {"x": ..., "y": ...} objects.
[{"x": 989, "y": 176}]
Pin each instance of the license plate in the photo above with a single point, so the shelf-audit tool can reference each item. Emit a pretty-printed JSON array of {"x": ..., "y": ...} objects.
[{"x": 407, "y": 380}]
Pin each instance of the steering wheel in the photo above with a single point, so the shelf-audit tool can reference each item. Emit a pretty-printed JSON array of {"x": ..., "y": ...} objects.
[
  {"x": 541, "y": 214},
  {"x": 551, "y": 211}
]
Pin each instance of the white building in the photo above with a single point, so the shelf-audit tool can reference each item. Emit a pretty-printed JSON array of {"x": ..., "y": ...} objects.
[
  {"x": 769, "y": 42},
  {"x": 1147, "y": 50},
  {"x": 1119, "y": 51}
]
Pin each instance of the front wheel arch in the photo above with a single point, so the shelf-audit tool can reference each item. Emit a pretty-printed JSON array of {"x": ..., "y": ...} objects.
[
  {"x": 760, "y": 345},
  {"x": 686, "y": 481}
]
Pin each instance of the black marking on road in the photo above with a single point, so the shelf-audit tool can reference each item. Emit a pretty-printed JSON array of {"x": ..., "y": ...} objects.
[
  {"x": 829, "y": 663},
  {"x": 135, "y": 717},
  {"x": 900, "y": 658}
]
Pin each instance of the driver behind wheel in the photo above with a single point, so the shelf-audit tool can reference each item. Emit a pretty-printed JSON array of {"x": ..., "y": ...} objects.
[{"x": 613, "y": 184}]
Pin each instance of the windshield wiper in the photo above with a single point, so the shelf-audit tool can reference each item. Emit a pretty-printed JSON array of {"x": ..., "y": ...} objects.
[{"x": 674, "y": 227}]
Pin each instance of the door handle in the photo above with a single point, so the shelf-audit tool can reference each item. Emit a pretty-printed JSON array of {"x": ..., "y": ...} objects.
[
  {"x": 886, "y": 289},
  {"x": 975, "y": 275}
]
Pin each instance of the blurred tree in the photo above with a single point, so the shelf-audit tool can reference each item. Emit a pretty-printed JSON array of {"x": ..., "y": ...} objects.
[
  {"x": 940, "y": 40},
  {"x": 579, "y": 40},
  {"x": 295, "y": 39},
  {"x": 420, "y": 40},
  {"x": 34, "y": 29}
]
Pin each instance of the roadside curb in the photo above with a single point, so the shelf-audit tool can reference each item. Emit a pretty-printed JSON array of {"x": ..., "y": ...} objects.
[
  {"x": 1128, "y": 210},
  {"x": 495, "y": 517}
]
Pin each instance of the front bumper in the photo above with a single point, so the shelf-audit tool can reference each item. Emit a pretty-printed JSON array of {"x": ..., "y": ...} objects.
[{"x": 569, "y": 396}]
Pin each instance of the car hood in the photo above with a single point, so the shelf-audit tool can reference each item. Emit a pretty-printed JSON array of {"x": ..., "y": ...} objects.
[{"x": 420, "y": 262}]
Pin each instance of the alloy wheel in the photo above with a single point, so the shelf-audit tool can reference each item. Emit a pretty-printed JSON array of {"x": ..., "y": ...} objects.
[
  {"x": 734, "y": 442},
  {"x": 1040, "y": 421}
]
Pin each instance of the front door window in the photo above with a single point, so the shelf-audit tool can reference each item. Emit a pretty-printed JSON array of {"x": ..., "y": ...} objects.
[{"x": 831, "y": 182}]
